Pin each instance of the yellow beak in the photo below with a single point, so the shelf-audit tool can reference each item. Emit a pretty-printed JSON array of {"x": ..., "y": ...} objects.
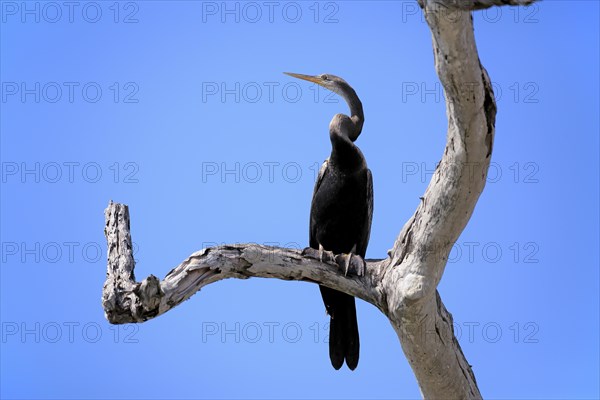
[{"x": 310, "y": 78}]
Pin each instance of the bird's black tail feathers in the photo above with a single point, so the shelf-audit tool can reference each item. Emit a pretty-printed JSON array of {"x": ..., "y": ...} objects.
[{"x": 343, "y": 328}]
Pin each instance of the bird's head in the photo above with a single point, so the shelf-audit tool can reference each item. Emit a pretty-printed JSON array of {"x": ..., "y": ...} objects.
[
  {"x": 328, "y": 81},
  {"x": 342, "y": 88}
]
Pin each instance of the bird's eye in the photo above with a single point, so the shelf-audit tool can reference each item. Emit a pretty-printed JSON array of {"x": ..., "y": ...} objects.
[{"x": 324, "y": 77}]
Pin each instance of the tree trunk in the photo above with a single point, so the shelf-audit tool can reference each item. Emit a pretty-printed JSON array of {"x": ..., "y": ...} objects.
[{"x": 403, "y": 286}]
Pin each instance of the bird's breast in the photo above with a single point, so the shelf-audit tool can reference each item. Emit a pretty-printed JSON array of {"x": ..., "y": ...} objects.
[{"x": 339, "y": 210}]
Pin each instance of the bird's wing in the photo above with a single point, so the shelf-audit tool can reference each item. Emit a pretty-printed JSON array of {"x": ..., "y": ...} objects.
[
  {"x": 320, "y": 176},
  {"x": 313, "y": 237},
  {"x": 361, "y": 248}
]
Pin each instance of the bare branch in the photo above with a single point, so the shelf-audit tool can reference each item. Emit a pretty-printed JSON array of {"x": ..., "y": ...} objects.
[
  {"x": 424, "y": 243},
  {"x": 421, "y": 250},
  {"x": 471, "y": 5},
  {"x": 125, "y": 300}
]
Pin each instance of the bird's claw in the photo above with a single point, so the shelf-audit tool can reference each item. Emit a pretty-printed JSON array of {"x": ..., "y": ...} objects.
[
  {"x": 321, "y": 255},
  {"x": 351, "y": 264}
]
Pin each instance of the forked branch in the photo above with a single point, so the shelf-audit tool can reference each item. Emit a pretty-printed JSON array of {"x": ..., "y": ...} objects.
[{"x": 403, "y": 286}]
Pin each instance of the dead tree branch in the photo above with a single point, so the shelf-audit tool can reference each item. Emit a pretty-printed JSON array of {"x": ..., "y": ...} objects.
[{"x": 403, "y": 286}]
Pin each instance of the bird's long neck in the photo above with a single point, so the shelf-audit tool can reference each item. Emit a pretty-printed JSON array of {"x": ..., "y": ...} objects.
[
  {"x": 356, "y": 112},
  {"x": 344, "y": 130}
]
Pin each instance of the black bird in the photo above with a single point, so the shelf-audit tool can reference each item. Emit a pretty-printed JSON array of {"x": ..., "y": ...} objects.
[{"x": 341, "y": 214}]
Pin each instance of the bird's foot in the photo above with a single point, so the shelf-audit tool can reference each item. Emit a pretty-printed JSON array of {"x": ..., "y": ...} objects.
[
  {"x": 351, "y": 264},
  {"x": 321, "y": 255}
]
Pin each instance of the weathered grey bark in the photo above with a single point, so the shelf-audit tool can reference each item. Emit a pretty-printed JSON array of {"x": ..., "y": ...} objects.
[
  {"x": 469, "y": 5},
  {"x": 125, "y": 300},
  {"x": 402, "y": 286}
]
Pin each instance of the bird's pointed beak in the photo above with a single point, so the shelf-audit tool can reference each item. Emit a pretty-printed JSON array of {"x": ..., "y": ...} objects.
[{"x": 310, "y": 78}]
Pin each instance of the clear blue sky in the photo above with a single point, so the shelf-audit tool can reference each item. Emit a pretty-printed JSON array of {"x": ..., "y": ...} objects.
[{"x": 180, "y": 110}]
